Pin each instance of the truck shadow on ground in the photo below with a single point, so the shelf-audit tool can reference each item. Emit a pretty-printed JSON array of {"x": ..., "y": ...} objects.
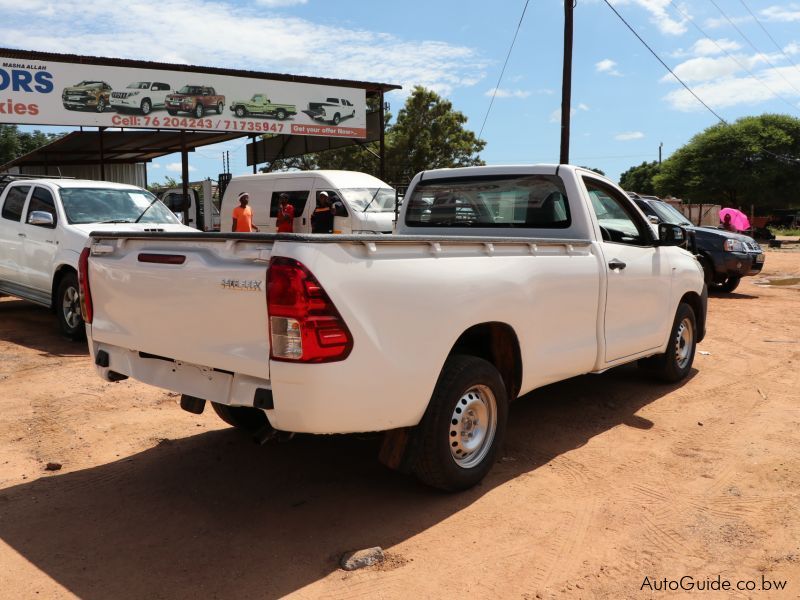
[
  {"x": 35, "y": 327},
  {"x": 214, "y": 515}
]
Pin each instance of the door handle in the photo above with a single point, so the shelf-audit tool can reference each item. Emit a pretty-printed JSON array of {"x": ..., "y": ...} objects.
[
  {"x": 22, "y": 235},
  {"x": 615, "y": 264}
]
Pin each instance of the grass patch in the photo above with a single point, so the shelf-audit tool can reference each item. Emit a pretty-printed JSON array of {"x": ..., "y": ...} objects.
[{"x": 785, "y": 231}]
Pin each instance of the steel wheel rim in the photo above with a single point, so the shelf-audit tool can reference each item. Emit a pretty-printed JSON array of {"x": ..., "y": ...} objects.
[
  {"x": 472, "y": 426},
  {"x": 683, "y": 343},
  {"x": 71, "y": 307}
]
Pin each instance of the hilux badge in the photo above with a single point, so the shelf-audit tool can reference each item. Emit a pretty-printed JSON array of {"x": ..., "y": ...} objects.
[{"x": 246, "y": 285}]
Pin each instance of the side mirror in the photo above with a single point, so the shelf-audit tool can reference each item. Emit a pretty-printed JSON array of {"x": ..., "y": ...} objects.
[
  {"x": 671, "y": 235},
  {"x": 654, "y": 219},
  {"x": 41, "y": 218}
]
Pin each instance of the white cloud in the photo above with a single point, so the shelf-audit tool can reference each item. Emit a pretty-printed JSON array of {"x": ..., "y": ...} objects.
[
  {"x": 784, "y": 14},
  {"x": 708, "y": 47},
  {"x": 717, "y": 22},
  {"x": 607, "y": 66},
  {"x": 660, "y": 15},
  {"x": 504, "y": 93},
  {"x": 256, "y": 39},
  {"x": 279, "y": 3},
  {"x": 628, "y": 136},
  {"x": 792, "y": 48},
  {"x": 555, "y": 116},
  {"x": 706, "y": 69},
  {"x": 154, "y": 165},
  {"x": 734, "y": 91},
  {"x": 176, "y": 167}
]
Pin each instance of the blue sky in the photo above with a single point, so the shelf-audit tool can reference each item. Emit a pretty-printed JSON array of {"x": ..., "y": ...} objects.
[{"x": 624, "y": 102}]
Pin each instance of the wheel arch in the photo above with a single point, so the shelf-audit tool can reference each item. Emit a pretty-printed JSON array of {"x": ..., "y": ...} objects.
[
  {"x": 58, "y": 275},
  {"x": 497, "y": 343},
  {"x": 694, "y": 300}
]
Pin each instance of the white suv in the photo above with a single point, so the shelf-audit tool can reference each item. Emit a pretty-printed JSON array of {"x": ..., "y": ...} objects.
[
  {"x": 44, "y": 225},
  {"x": 142, "y": 96}
]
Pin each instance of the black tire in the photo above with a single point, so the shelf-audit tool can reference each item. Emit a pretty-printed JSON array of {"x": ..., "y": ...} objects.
[
  {"x": 172, "y": 112},
  {"x": 730, "y": 284},
  {"x": 146, "y": 106},
  {"x": 220, "y": 108},
  {"x": 240, "y": 112},
  {"x": 246, "y": 418},
  {"x": 675, "y": 364},
  {"x": 442, "y": 432},
  {"x": 280, "y": 114},
  {"x": 68, "y": 309},
  {"x": 199, "y": 111},
  {"x": 101, "y": 105},
  {"x": 337, "y": 118}
]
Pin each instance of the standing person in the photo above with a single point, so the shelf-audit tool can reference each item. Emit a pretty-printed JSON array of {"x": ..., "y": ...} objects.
[
  {"x": 243, "y": 215},
  {"x": 285, "y": 218},
  {"x": 322, "y": 217}
]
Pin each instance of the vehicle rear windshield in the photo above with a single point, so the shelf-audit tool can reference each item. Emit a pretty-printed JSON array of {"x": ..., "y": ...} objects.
[
  {"x": 524, "y": 201},
  {"x": 371, "y": 199},
  {"x": 101, "y": 205},
  {"x": 190, "y": 89}
]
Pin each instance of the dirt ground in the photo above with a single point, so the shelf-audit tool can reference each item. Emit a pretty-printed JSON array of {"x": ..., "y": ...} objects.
[{"x": 605, "y": 481}]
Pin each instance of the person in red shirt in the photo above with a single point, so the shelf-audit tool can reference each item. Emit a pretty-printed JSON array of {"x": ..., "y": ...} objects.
[
  {"x": 285, "y": 219},
  {"x": 243, "y": 215}
]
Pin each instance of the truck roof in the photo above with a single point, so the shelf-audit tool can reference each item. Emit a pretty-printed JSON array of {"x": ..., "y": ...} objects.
[
  {"x": 338, "y": 179},
  {"x": 76, "y": 183}
]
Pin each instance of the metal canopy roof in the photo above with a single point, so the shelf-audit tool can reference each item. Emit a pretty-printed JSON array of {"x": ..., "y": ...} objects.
[{"x": 115, "y": 147}]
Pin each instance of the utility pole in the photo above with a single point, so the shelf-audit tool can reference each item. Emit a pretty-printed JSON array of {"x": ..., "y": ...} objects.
[
  {"x": 566, "y": 81},
  {"x": 660, "y": 145}
]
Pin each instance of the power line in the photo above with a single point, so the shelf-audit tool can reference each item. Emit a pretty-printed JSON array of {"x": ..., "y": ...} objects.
[
  {"x": 503, "y": 70},
  {"x": 768, "y": 35},
  {"x": 731, "y": 56},
  {"x": 747, "y": 39},
  {"x": 658, "y": 58}
]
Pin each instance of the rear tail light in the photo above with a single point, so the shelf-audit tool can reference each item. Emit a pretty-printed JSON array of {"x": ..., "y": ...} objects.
[
  {"x": 304, "y": 324},
  {"x": 87, "y": 311}
]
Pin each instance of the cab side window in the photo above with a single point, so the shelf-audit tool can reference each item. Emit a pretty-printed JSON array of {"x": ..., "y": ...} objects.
[
  {"x": 42, "y": 200},
  {"x": 337, "y": 206},
  {"x": 619, "y": 223},
  {"x": 15, "y": 201},
  {"x": 297, "y": 199}
]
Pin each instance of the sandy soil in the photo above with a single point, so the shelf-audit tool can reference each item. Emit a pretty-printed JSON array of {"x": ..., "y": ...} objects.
[{"x": 605, "y": 480}]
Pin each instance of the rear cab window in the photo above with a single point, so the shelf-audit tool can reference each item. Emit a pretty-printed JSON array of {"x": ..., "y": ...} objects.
[
  {"x": 15, "y": 202},
  {"x": 504, "y": 201}
]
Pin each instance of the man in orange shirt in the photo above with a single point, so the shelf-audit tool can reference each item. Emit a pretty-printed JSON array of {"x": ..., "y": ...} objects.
[
  {"x": 243, "y": 215},
  {"x": 285, "y": 219}
]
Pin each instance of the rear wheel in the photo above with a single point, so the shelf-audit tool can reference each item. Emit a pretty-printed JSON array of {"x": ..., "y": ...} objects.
[
  {"x": 458, "y": 439},
  {"x": 101, "y": 105},
  {"x": 675, "y": 364},
  {"x": 245, "y": 418},
  {"x": 337, "y": 118},
  {"x": 280, "y": 114},
  {"x": 146, "y": 106},
  {"x": 199, "y": 111},
  {"x": 68, "y": 307},
  {"x": 172, "y": 112},
  {"x": 220, "y": 108}
]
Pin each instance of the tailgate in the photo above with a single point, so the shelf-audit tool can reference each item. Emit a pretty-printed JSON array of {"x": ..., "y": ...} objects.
[{"x": 210, "y": 310}]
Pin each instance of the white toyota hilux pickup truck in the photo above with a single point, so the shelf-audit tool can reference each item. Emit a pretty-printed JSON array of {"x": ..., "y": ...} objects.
[
  {"x": 44, "y": 225},
  {"x": 499, "y": 280}
]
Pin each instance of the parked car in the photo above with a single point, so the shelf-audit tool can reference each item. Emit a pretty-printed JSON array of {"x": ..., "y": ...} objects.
[
  {"x": 44, "y": 225},
  {"x": 725, "y": 256},
  {"x": 195, "y": 99},
  {"x": 361, "y": 203},
  {"x": 92, "y": 95},
  {"x": 260, "y": 105},
  {"x": 427, "y": 334},
  {"x": 332, "y": 110},
  {"x": 142, "y": 96}
]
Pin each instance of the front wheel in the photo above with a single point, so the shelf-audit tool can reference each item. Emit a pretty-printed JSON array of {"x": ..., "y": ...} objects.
[
  {"x": 457, "y": 441},
  {"x": 730, "y": 284},
  {"x": 675, "y": 364},
  {"x": 172, "y": 113},
  {"x": 246, "y": 418},
  {"x": 68, "y": 307},
  {"x": 240, "y": 112},
  {"x": 101, "y": 105}
]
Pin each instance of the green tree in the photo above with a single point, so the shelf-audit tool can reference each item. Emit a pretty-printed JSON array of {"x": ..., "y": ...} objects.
[
  {"x": 169, "y": 182},
  {"x": 598, "y": 171},
  {"x": 15, "y": 143},
  {"x": 752, "y": 161},
  {"x": 640, "y": 178}
]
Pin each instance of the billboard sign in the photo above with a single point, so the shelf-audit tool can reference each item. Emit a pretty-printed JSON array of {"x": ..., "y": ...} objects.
[{"x": 34, "y": 92}]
